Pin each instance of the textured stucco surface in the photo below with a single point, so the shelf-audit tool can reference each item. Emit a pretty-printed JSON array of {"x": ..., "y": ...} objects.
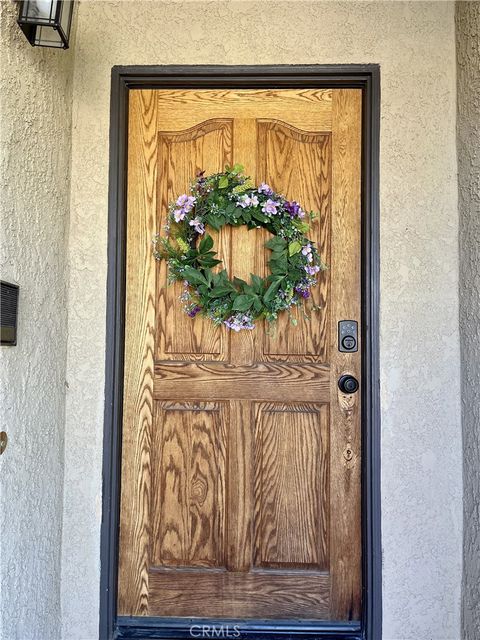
[
  {"x": 420, "y": 378},
  {"x": 468, "y": 131},
  {"x": 35, "y": 125}
]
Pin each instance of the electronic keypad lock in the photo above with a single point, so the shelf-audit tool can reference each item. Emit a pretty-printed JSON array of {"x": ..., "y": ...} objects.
[{"x": 348, "y": 336}]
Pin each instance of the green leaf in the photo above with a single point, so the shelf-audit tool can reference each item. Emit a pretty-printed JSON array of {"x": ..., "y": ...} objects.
[
  {"x": 294, "y": 247},
  {"x": 257, "y": 283},
  {"x": 203, "y": 289},
  {"x": 258, "y": 215},
  {"x": 301, "y": 226},
  {"x": 257, "y": 304},
  {"x": 238, "y": 168},
  {"x": 223, "y": 277},
  {"x": 276, "y": 244},
  {"x": 206, "y": 244},
  {"x": 194, "y": 276},
  {"x": 242, "y": 303},
  {"x": 231, "y": 208},
  {"x": 272, "y": 290},
  {"x": 279, "y": 267},
  {"x": 213, "y": 221},
  {"x": 239, "y": 282},
  {"x": 209, "y": 277},
  {"x": 208, "y": 262},
  {"x": 223, "y": 182},
  {"x": 220, "y": 291},
  {"x": 278, "y": 255}
]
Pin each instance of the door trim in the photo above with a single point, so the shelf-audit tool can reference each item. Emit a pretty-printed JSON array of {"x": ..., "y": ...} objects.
[{"x": 123, "y": 79}]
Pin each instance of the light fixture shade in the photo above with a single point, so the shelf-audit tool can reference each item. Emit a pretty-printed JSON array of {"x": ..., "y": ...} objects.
[{"x": 46, "y": 23}]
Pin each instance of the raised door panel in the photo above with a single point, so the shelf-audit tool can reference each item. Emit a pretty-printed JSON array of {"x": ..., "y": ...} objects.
[
  {"x": 188, "y": 484},
  {"x": 181, "y": 155},
  {"x": 291, "y": 486},
  {"x": 298, "y": 163}
]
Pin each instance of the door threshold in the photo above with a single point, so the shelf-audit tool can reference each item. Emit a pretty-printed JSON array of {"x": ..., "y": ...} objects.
[{"x": 140, "y": 627}]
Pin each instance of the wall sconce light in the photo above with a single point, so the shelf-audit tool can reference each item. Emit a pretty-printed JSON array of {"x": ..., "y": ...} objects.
[{"x": 46, "y": 23}]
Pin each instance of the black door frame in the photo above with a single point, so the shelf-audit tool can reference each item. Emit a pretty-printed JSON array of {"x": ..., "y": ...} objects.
[{"x": 124, "y": 78}]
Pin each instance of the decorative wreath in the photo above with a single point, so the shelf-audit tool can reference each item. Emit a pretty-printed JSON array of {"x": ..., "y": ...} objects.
[{"x": 231, "y": 198}]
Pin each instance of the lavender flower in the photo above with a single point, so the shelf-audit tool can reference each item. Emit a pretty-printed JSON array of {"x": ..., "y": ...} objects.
[
  {"x": 294, "y": 209},
  {"x": 266, "y": 189},
  {"x": 307, "y": 251},
  {"x": 312, "y": 270},
  {"x": 186, "y": 202},
  {"x": 198, "y": 225},
  {"x": 179, "y": 214},
  {"x": 239, "y": 321},
  {"x": 191, "y": 313},
  {"x": 303, "y": 290},
  {"x": 270, "y": 207},
  {"x": 248, "y": 201}
]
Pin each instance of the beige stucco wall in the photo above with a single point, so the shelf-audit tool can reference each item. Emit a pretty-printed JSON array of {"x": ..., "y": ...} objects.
[
  {"x": 422, "y": 475},
  {"x": 468, "y": 128},
  {"x": 35, "y": 126}
]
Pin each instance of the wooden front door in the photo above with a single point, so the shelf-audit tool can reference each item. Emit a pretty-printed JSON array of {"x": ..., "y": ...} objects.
[{"x": 240, "y": 490}]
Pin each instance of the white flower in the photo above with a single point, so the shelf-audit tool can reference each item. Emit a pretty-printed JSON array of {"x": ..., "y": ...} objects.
[
  {"x": 198, "y": 225},
  {"x": 179, "y": 214}
]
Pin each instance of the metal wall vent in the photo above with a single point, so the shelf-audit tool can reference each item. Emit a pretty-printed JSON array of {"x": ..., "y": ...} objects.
[{"x": 8, "y": 313}]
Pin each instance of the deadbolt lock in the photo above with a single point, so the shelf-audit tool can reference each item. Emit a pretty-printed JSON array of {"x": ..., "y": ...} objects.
[{"x": 348, "y": 336}]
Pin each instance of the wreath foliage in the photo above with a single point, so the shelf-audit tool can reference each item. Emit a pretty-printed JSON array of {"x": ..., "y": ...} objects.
[{"x": 230, "y": 198}]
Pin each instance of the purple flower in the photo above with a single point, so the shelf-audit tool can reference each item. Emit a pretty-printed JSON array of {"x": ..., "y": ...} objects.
[
  {"x": 243, "y": 201},
  {"x": 294, "y": 209},
  {"x": 302, "y": 290},
  {"x": 239, "y": 321},
  {"x": 312, "y": 270},
  {"x": 186, "y": 202},
  {"x": 198, "y": 225},
  {"x": 248, "y": 201},
  {"x": 270, "y": 207},
  {"x": 307, "y": 249},
  {"x": 191, "y": 313},
  {"x": 179, "y": 214},
  {"x": 266, "y": 189}
]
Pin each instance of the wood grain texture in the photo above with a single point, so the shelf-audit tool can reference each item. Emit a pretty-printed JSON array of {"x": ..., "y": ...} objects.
[
  {"x": 291, "y": 485},
  {"x": 309, "y": 109},
  {"x": 232, "y": 594},
  {"x": 188, "y": 484},
  {"x": 345, "y": 443},
  {"x": 298, "y": 163},
  {"x": 182, "y": 154},
  {"x": 261, "y": 381},
  {"x": 241, "y": 460},
  {"x": 240, "y": 486},
  {"x": 134, "y": 542}
]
